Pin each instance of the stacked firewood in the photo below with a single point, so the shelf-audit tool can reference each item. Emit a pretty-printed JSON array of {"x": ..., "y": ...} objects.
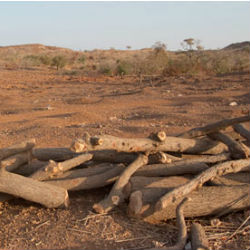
[{"x": 206, "y": 168}]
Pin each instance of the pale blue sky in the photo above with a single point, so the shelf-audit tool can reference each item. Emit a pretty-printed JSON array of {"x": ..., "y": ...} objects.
[{"x": 90, "y": 25}]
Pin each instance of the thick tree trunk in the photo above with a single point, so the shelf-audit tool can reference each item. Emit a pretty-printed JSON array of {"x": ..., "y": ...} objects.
[
  {"x": 32, "y": 190},
  {"x": 171, "y": 144},
  {"x": 208, "y": 200}
]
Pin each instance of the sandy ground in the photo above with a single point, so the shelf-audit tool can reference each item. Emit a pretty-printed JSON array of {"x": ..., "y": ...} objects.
[{"x": 55, "y": 109}]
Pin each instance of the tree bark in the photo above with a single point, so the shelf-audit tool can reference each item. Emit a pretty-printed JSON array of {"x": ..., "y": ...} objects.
[
  {"x": 116, "y": 196},
  {"x": 199, "y": 239},
  {"x": 32, "y": 190},
  {"x": 171, "y": 144},
  {"x": 217, "y": 170},
  {"x": 208, "y": 200},
  {"x": 17, "y": 148},
  {"x": 55, "y": 169},
  {"x": 235, "y": 149},
  {"x": 231, "y": 179},
  {"x": 213, "y": 127}
]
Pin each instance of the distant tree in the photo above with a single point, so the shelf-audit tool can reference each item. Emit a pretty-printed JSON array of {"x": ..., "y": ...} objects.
[
  {"x": 128, "y": 47},
  {"x": 58, "y": 61},
  {"x": 190, "y": 42},
  {"x": 159, "y": 46},
  {"x": 82, "y": 59}
]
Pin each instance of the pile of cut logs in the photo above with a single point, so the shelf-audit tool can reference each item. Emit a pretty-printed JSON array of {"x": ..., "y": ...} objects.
[{"x": 204, "y": 168}]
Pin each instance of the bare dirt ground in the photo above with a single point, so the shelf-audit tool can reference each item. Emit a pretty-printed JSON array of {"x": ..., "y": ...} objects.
[{"x": 55, "y": 109}]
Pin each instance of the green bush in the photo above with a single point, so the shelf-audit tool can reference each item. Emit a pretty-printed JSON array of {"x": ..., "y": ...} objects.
[
  {"x": 123, "y": 68},
  {"x": 82, "y": 59},
  {"x": 58, "y": 61},
  {"x": 46, "y": 60},
  {"x": 105, "y": 70}
]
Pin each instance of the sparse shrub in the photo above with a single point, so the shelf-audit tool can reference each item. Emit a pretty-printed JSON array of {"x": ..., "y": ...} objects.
[
  {"x": 58, "y": 61},
  {"x": 31, "y": 60},
  {"x": 105, "y": 70},
  {"x": 82, "y": 59},
  {"x": 46, "y": 60},
  {"x": 159, "y": 46},
  {"x": 123, "y": 68}
]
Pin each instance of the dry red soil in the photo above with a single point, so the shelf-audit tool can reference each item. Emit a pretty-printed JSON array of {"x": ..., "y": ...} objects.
[{"x": 55, "y": 109}]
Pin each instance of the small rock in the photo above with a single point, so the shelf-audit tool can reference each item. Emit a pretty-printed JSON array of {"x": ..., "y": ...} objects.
[
  {"x": 179, "y": 94},
  {"x": 233, "y": 104}
]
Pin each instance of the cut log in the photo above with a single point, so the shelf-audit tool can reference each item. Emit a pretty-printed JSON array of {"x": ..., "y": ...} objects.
[
  {"x": 182, "y": 228},
  {"x": 32, "y": 190},
  {"x": 15, "y": 161},
  {"x": 175, "y": 168},
  {"x": 171, "y": 144},
  {"x": 208, "y": 200},
  {"x": 217, "y": 170},
  {"x": 235, "y": 148},
  {"x": 55, "y": 169},
  {"x": 207, "y": 158},
  {"x": 199, "y": 239},
  {"x": 116, "y": 194},
  {"x": 239, "y": 128},
  {"x": 90, "y": 182},
  {"x": 18, "y": 148},
  {"x": 55, "y": 154},
  {"x": 213, "y": 127},
  {"x": 141, "y": 182}
]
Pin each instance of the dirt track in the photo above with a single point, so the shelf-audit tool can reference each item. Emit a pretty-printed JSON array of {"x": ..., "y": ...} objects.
[{"x": 55, "y": 109}]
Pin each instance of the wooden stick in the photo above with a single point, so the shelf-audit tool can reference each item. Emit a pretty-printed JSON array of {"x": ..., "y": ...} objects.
[
  {"x": 14, "y": 161},
  {"x": 231, "y": 179},
  {"x": 217, "y": 170},
  {"x": 29, "y": 169},
  {"x": 17, "y": 148},
  {"x": 213, "y": 127},
  {"x": 115, "y": 196},
  {"x": 199, "y": 239},
  {"x": 239, "y": 128},
  {"x": 32, "y": 190},
  {"x": 55, "y": 169},
  {"x": 206, "y": 201},
  {"x": 235, "y": 149},
  {"x": 182, "y": 228},
  {"x": 171, "y": 144},
  {"x": 90, "y": 182}
]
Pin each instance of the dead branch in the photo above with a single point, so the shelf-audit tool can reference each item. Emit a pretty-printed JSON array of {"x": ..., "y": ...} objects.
[
  {"x": 55, "y": 154},
  {"x": 17, "y": 148},
  {"x": 90, "y": 182},
  {"x": 28, "y": 169},
  {"x": 182, "y": 228},
  {"x": 175, "y": 168},
  {"x": 208, "y": 200},
  {"x": 239, "y": 128},
  {"x": 213, "y": 127},
  {"x": 199, "y": 239},
  {"x": 235, "y": 148},
  {"x": 116, "y": 196},
  {"x": 217, "y": 170},
  {"x": 231, "y": 179},
  {"x": 171, "y": 144},
  {"x": 32, "y": 190},
  {"x": 55, "y": 169},
  {"x": 14, "y": 161}
]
